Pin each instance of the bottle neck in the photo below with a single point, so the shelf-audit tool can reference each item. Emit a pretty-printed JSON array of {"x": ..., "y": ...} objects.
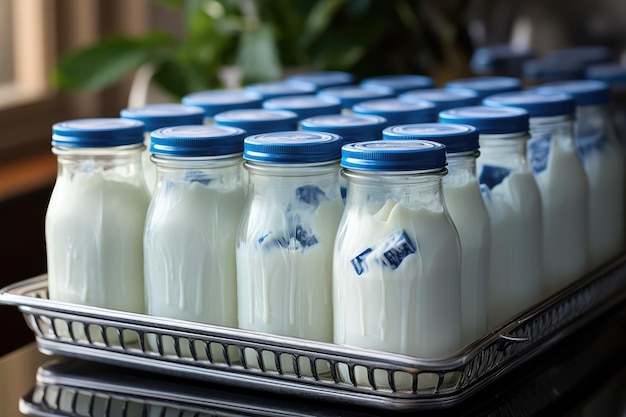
[
  {"x": 559, "y": 129},
  {"x": 121, "y": 163},
  {"x": 461, "y": 168},
  {"x": 223, "y": 172},
  {"x": 504, "y": 150},
  {"x": 412, "y": 190},
  {"x": 593, "y": 119}
]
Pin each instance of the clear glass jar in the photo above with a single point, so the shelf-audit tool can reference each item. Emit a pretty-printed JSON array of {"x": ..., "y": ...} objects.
[
  {"x": 191, "y": 226},
  {"x": 219, "y": 101},
  {"x": 397, "y": 257},
  {"x": 514, "y": 205},
  {"x": 155, "y": 116},
  {"x": 603, "y": 161},
  {"x": 468, "y": 212},
  {"x": 286, "y": 235},
  {"x": 561, "y": 180},
  {"x": 96, "y": 214}
]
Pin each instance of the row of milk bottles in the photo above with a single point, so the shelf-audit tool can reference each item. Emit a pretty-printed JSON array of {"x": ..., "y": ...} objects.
[{"x": 425, "y": 241}]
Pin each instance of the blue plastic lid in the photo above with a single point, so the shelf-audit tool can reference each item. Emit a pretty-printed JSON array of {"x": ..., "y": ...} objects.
[
  {"x": 501, "y": 59},
  {"x": 458, "y": 138},
  {"x": 197, "y": 140},
  {"x": 217, "y": 101},
  {"x": 553, "y": 70},
  {"x": 612, "y": 73},
  {"x": 273, "y": 89},
  {"x": 349, "y": 95},
  {"x": 305, "y": 106},
  {"x": 321, "y": 79},
  {"x": 394, "y": 155},
  {"x": 256, "y": 121},
  {"x": 159, "y": 115},
  {"x": 352, "y": 128},
  {"x": 293, "y": 147},
  {"x": 536, "y": 103},
  {"x": 585, "y": 55},
  {"x": 398, "y": 83},
  {"x": 97, "y": 133},
  {"x": 443, "y": 99},
  {"x": 488, "y": 120},
  {"x": 585, "y": 92},
  {"x": 485, "y": 86},
  {"x": 398, "y": 111}
]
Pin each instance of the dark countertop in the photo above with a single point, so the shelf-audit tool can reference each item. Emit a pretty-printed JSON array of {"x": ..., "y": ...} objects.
[{"x": 584, "y": 375}]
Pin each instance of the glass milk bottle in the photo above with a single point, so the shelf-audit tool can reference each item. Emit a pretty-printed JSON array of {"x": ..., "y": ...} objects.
[
  {"x": 95, "y": 217},
  {"x": 219, "y": 101},
  {"x": 465, "y": 203},
  {"x": 397, "y": 258},
  {"x": 398, "y": 111},
  {"x": 159, "y": 115},
  {"x": 561, "y": 180},
  {"x": 603, "y": 161},
  {"x": 286, "y": 235},
  {"x": 514, "y": 205},
  {"x": 398, "y": 83},
  {"x": 485, "y": 86},
  {"x": 191, "y": 226},
  {"x": 305, "y": 106}
]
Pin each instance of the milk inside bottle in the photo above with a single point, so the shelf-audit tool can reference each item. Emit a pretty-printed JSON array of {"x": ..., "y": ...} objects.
[
  {"x": 159, "y": 115},
  {"x": 603, "y": 162},
  {"x": 221, "y": 100},
  {"x": 285, "y": 239},
  {"x": 95, "y": 217},
  {"x": 514, "y": 205},
  {"x": 397, "y": 257},
  {"x": 398, "y": 111},
  {"x": 464, "y": 201},
  {"x": 191, "y": 226},
  {"x": 561, "y": 180}
]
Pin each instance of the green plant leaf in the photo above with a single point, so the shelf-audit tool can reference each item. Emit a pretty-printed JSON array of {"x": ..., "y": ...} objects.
[
  {"x": 258, "y": 56},
  {"x": 106, "y": 62}
]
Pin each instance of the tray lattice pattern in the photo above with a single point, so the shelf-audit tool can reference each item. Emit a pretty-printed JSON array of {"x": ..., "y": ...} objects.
[{"x": 308, "y": 368}]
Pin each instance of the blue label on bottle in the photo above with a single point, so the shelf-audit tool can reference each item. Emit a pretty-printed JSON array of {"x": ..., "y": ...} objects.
[
  {"x": 492, "y": 175},
  {"x": 197, "y": 176},
  {"x": 390, "y": 253},
  {"x": 539, "y": 153},
  {"x": 590, "y": 143},
  {"x": 310, "y": 194}
]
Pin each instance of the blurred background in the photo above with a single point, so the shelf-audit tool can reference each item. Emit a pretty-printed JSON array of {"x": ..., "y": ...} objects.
[{"x": 66, "y": 59}]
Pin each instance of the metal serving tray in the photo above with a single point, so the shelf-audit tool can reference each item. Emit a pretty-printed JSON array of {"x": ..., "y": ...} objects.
[{"x": 304, "y": 368}]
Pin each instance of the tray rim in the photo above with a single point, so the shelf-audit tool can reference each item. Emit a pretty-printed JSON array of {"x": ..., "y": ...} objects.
[{"x": 14, "y": 294}]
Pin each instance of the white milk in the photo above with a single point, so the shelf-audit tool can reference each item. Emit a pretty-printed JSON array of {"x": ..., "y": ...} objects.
[
  {"x": 189, "y": 248},
  {"x": 94, "y": 227},
  {"x": 562, "y": 184},
  {"x": 287, "y": 290},
  {"x": 413, "y": 309},
  {"x": 469, "y": 214},
  {"x": 514, "y": 207},
  {"x": 284, "y": 252}
]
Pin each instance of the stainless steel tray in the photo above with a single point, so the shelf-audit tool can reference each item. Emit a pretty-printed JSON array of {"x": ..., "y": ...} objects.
[{"x": 306, "y": 368}]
